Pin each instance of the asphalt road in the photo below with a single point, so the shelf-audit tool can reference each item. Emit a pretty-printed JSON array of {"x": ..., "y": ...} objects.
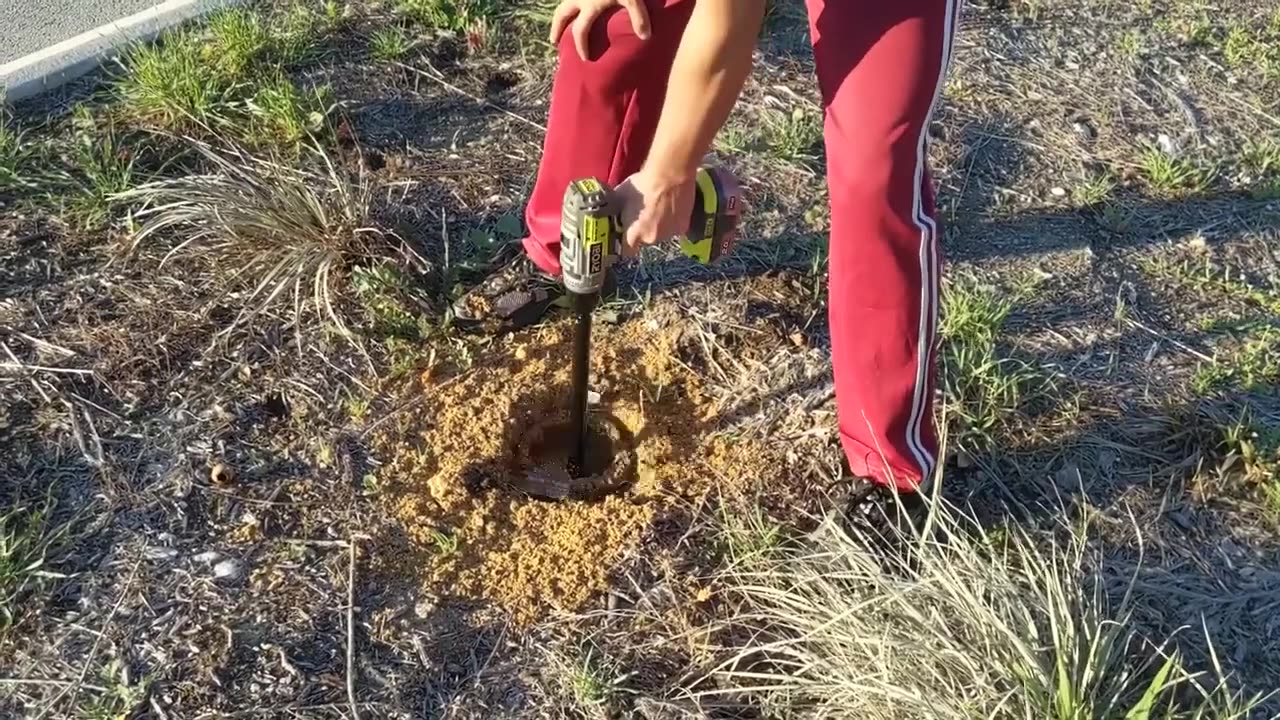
[{"x": 30, "y": 25}]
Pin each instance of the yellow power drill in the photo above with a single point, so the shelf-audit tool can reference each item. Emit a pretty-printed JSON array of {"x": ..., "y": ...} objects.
[{"x": 591, "y": 235}]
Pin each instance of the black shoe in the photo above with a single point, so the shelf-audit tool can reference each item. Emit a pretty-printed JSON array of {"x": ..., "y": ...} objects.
[
  {"x": 516, "y": 295},
  {"x": 893, "y": 524}
]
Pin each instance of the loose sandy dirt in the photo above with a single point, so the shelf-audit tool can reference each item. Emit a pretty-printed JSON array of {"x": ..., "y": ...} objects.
[{"x": 455, "y": 470}]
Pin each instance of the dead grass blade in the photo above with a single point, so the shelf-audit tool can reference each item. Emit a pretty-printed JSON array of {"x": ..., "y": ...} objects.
[
  {"x": 279, "y": 231},
  {"x": 986, "y": 624}
]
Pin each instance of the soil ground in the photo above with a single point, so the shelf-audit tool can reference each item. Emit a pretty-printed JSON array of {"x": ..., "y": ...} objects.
[{"x": 268, "y": 519}]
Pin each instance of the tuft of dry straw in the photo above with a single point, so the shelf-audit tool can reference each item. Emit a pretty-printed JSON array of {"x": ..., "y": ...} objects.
[
  {"x": 285, "y": 232},
  {"x": 981, "y": 624}
]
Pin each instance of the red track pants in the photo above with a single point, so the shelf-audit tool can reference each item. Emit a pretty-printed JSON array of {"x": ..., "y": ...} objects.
[{"x": 880, "y": 67}]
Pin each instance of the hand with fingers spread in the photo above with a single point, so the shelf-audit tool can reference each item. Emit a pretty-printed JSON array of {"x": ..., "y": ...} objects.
[{"x": 582, "y": 13}]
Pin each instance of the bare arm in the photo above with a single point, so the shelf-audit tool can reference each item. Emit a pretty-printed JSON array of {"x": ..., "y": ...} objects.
[{"x": 710, "y": 68}]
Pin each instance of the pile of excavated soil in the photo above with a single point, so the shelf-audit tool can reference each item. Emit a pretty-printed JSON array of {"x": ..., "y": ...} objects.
[{"x": 454, "y": 474}]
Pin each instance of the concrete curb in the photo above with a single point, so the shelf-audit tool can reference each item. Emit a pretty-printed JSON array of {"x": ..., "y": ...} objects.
[{"x": 55, "y": 65}]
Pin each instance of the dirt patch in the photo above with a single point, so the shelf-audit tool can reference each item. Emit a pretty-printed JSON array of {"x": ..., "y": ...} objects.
[{"x": 459, "y": 468}]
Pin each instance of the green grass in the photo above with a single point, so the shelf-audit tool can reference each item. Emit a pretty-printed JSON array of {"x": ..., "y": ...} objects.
[
  {"x": 1252, "y": 361},
  {"x": 1170, "y": 176},
  {"x": 793, "y": 137},
  {"x": 1204, "y": 276},
  {"x": 584, "y": 680},
  {"x": 231, "y": 77},
  {"x": 1253, "y": 451},
  {"x": 746, "y": 533},
  {"x": 455, "y": 15},
  {"x": 1131, "y": 44},
  {"x": 390, "y": 43},
  {"x": 14, "y": 154},
  {"x": 733, "y": 140},
  {"x": 171, "y": 85},
  {"x": 382, "y": 289},
  {"x": 1197, "y": 30},
  {"x": 1256, "y": 448},
  {"x": 296, "y": 33},
  {"x": 119, "y": 698},
  {"x": 286, "y": 115},
  {"x": 590, "y": 686},
  {"x": 981, "y": 388},
  {"x": 240, "y": 39},
  {"x": 1249, "y": 50},
  {"x": 102, "y": 165},
  {"x": 1261, "y": 160},
  {"x": 1252, "y": 364},
  {"x": 1094, "y": 191},
  {"x": 444, "y": 544},
  {"x": 27, "y": 539}
]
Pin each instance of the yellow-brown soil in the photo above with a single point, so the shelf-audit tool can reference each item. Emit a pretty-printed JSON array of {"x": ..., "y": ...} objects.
[{"x": 450, "y": 472}]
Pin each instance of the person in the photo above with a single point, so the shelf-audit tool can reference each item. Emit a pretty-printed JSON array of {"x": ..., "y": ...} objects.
[{"x": 643, "y": 87}]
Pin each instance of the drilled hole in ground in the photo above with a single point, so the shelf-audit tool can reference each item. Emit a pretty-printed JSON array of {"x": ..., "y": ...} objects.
[{"x": 542, "y": 460}]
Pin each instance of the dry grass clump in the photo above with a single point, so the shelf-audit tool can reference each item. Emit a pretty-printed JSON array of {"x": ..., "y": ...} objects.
[
  {"x": 283, "y": 232},
  {"x": 989, "y": 624}
]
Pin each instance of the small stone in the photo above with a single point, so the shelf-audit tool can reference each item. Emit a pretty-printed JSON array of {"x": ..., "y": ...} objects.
[
  {"x": 1059, "y": 192},
  {"x": 208, "y": 557},
  {"x": 1182, "y": 519},
  {"x": 1107, "y": 460},
  {"x": 593, "y": 397},
  {"x": 521, "y": 353},
  {"x": 424, "y": 608},
  {"x": 1068, "y": 478},
  {"x": 231, "y": 570}
]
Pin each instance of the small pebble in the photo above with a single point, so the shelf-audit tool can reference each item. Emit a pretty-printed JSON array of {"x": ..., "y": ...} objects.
[
  {"x": 161, "y": 553},
  {"x": 208, "y": 557},
  {"x": 1059, "y": 192},
  {"x": 229, "y": 569},
  {"x": 424, "y": 607}
]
